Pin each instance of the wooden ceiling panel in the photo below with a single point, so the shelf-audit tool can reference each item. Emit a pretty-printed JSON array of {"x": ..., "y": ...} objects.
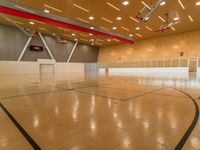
[{"x": 126, "y": 26}]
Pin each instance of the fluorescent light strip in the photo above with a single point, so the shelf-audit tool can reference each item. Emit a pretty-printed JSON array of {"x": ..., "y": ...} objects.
[
  {"x": 19, "y": 22},
  {"x": 191, "y": 19},
  {"x": 138, "y": 35},
  {"x": 83, "y": 20},
  {"x": 181, "y": 4},
  {"x": 67, "y": 35},
  {"x": 63, "y": 29},
  {"x": 42, "y": 28},
  {"x": 148, "y": 28},
  {"x": 161, "y": 18},
  {"x": 104, "y": 28},
  {"x": 84, "y": 40},
  {"x": 53, "y": 8},
  {"x": 86, "y": 10},
  {"x": 84, "y": 35},
  {"x": 116, "y": 40},
  {"x": 173, "y": 28},
  {"x": 98, "y": 43},
  {"x": 105, "y": 19},
  {"x": 145, "y": 5},
  {"x": 37, "y": 21},
  {"x": 113, "y": 6},
  {"x": 24, "y": 9},
  {"x": 134, "y": 19},
  {"x": 125, "y": 28}
]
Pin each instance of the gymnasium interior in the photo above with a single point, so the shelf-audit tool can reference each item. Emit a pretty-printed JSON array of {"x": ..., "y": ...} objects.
[{"x": 99, "y": 74}]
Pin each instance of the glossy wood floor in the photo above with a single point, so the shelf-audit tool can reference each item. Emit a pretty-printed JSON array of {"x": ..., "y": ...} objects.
[{"x": 95, "y": 112}]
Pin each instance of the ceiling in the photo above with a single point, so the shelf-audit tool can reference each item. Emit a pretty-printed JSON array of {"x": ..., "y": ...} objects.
[{"x": 105, "y": 17}]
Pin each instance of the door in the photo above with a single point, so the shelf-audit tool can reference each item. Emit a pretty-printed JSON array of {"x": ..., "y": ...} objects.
[
  {"x": 193, "y": 62},
  {"x": 46, "y": 69}
]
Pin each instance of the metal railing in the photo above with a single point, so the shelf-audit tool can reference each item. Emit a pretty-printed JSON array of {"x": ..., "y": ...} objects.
[{"x": 154, "y": 63}]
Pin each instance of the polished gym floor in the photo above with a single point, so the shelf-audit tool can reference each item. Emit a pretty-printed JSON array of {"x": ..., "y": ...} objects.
[{"x": 98, "y": 112}]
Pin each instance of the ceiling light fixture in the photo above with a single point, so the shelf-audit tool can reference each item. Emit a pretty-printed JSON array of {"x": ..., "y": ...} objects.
[
  {"x": 173, "y": 28},
  {"x": 24, "y": 9},
  {"x": 198, "y": 3},
  {"x": 91, "y": 28},
  {"x": 138, "y": 35},
  {"x": 114, "y": 28},
  {"x": 145, "y": 5},
  {"x": 125, "y": 28},
  {"x": 148, "y": 28},
  {"x": 58, "y": 10},
  {"x": 163, "y": 3},
  {"x": 91, "y": 18},
  {"x": 131, "y": 35},
  {"x": 111, "y": 5},
  {"x": 125, "y": 2},
  {"x": 109, "y": 40},
  {"x": 73, "y": 34},
  {"x": 119, "y": 18},
  {"x": 176, "y": 18},
  {"x": 191, "y": 19},
  {"x": 46, "y": 11},
  {"x": 83, "y": 20},
  {"x": 161, "y": 18},
  {"x": 31, "y": 22},
  {"x": 90, "y": 34},
  {"x": 134, "y": 19},
  {"x": 80, "y": 7},
  {"x": 105, "y": 19},
  {"x": 179, "y": 1},
  {"x": 138, "y": 28}
]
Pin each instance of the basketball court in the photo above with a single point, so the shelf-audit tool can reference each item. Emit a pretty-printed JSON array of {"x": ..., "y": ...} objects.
[{"x": 99, "y": 75}]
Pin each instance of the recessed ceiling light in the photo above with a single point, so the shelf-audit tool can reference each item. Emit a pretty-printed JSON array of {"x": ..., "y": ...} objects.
[
  {"x": 119, "y": 18},
  {"x": 75, "y": 39},
  {"x": 163, "y": 3},
  {"x": 125, "y": 2},
  {"x": 114, "y": 28},
  {"x": 82, "y": 20},
  {"x": 91, "y": 18},
  {"x": 46, "y": 11},
  {"x": 138, "y": 28},
  {"x": 198, "y": 3},
  {"x": 31, "y": 22},
  {"x": 109, "y": 40},
  {"x": 176, "y": 18},
  {"x": 73, "y": 34},
  {"x": 90, "y": 34},
  {"x": 131, "y": 35},
  {"x": 92, "y": 28},
  {"x": 125, "y": 28}
]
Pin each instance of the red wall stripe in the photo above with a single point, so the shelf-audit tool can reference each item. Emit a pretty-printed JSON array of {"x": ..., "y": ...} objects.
[{"x": 26, "y": 15}]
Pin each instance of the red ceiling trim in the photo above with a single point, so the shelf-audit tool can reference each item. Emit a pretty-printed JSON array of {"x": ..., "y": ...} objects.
[{"x": 26, "y": 15}]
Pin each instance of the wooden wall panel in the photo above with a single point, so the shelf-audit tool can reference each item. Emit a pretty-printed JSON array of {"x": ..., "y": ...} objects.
[{"x": 156, "y": 48}]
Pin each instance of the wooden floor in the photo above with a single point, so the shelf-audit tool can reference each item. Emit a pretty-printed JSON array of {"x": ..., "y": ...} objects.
[{"x": 93, "y": 112}]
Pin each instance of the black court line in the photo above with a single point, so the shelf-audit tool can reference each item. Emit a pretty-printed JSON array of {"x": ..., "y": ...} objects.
[
  {"x": 185, "y": 137},
  {"x": 9, "y": 97},
  {"x": 150, "y": 92},
  {"x": 90, "y": 93},
  {"x": 21, "y": 129}
]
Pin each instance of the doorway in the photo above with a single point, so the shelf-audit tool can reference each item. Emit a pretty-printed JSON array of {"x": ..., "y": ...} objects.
[{"x": 193, "y": 64}]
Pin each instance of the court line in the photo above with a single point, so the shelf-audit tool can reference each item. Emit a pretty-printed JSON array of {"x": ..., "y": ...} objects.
[
  {"x": 185, "y": 137},
  {"x": 21, "y": 129}
]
